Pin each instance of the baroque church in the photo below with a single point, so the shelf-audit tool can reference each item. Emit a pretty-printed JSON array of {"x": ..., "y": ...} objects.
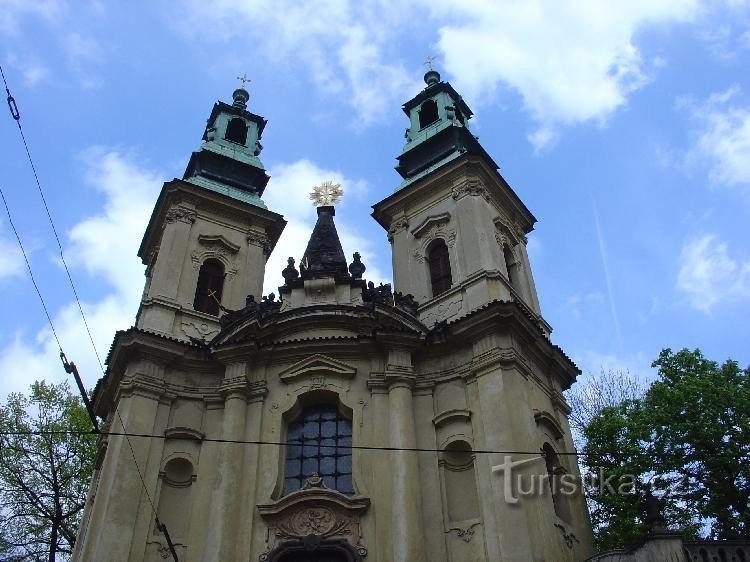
[{"x": 340, "y": 421}]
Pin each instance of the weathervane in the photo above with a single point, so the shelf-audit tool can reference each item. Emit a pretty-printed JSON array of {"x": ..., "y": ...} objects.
[
  {"x": 429, "y": 62},
  {"x": 244, "y": 79},
  {"x": 327, "y": 193}
]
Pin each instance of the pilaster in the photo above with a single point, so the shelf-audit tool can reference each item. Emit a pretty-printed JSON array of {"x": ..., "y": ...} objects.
[
  {"x": 221, "y": 538},
  {"x": 407, "y": 530}
]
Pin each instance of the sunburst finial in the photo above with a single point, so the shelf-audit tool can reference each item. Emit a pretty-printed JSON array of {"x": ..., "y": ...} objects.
[{"x": 327, "y": 193}]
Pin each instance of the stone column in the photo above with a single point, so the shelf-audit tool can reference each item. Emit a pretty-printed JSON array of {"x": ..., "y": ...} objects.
[
  {"x": 221, "y": 538},
  {"x": 406, "y": 535},
  {"x": 251, "y": 462}
]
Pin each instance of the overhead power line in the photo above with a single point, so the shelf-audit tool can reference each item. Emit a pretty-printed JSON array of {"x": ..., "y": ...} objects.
[{"x": 70, "y": 367}]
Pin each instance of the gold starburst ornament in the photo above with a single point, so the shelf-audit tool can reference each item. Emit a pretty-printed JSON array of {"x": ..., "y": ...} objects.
[{"x": 327, "y": 193}]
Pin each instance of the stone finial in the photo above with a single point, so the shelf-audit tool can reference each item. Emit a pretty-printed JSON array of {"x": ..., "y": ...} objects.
[
  {"x": 240, "y": 97},
  {"x": 357, "y": 268},
  {"x": 431, "y": 77},
  {"x": 289, "y": 273}
]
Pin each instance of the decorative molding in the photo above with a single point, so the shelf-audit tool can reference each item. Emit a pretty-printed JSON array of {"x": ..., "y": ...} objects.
[
  {"x": 542, "y": 417},
  {"x": 451, "y": 415},
  {"x": 314, "y": 514},
  {"x": 465, "y": 533},
  {"x": 218, "y": 241},
  {"x": 198, "y": 330},
  {"x": 471, "y": 187},
  {"x": 316, "y": 367},
  {"x": 259, "y": 239},
  {"x": 218, "y": 247},
  {"x": 430, "y": 233},
  {"x": 398, "y": 225},
  {"x": 430, "y": 222},
  {"x": 182, "y": 432},
  {"x": 181, "y": 214}
]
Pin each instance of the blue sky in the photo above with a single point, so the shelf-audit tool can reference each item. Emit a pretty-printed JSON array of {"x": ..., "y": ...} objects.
[{"x": 625, "y": 127}]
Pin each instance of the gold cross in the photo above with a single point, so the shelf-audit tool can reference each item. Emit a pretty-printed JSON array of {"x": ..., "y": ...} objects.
[
  {"x": 243, "y": 79},
  {"x": 429, "y": 62}
]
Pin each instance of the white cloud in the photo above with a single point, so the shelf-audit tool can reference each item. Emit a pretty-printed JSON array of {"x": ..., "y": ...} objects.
[
  {"x": 571, "y": 62},
  {"x": 577, "y": 303},
  {"x": 105, "y": 246},
  {"x": 11, "y": 259},
  {"x": 287, "y": 193},
  {"x": 722, "y": 137},
  {"x": 708, "y": 274},
  {"x": 593, "y": 362},
  {"x": 11, "y": 11},
  {"x": 341, "y": 44}
]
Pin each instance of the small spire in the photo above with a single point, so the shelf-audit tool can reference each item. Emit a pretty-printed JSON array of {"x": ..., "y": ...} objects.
[{"x": 432, "y": 76}]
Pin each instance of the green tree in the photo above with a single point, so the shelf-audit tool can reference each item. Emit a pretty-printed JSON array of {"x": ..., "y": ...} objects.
[
  {"x": 687, "y": 439},
  {"x": 44, "y": 472}
]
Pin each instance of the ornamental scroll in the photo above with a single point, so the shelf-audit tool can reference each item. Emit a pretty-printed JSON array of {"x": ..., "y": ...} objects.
[{"x": 314, "y": 516}]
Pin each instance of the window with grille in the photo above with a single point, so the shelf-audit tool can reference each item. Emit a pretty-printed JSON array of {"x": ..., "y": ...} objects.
[
  {"x": 319, "y": 442},
  {"x": 210, "y": 286},
  {"x": 440, "y": 268}
]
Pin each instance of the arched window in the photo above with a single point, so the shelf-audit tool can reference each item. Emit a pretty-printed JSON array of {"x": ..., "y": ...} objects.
[
  {"x": 319, "y": 442},
  {"x": 236, "y": 131},
  {"x": 428, "y": 113},
  {"x": 512, "y": 267},
  {"x": 440, "y": 268},
  {"x": 555, "y": 471},
  {"x": 210, "y": 287}
]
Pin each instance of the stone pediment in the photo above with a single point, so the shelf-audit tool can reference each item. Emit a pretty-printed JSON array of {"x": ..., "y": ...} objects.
[
  {"x": 317, "y": 365},
  {"x": 218, "y": 241},
  {"x": 432, "y": 221},
  {"x": 547, "y": 420}
]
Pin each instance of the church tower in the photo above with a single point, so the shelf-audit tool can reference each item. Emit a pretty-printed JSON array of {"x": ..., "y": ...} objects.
[
  {"x": 457, "y": 229},
  {"x": 342, "y": 422},
  {"x": 210, "y": 233}
]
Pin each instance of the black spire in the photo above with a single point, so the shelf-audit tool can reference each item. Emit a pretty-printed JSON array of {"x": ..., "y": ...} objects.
[{"x": 324, "y": 256}]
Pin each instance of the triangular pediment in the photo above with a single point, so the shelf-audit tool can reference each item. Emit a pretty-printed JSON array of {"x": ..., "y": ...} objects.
[{"x": 316, "y": 365}]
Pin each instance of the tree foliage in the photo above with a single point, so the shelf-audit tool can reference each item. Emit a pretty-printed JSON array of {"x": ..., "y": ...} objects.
[
  {"x": 44, "y": 472},
  {"x": 687, "y": 439}
]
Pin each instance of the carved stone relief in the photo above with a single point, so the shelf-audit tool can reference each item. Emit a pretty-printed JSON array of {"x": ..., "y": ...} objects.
[
  {"x": 471, "y": 187},
  {"x": 397, "y": 226},
  {"x": 314, "y": 515},
  {"x": 181, "y": 214},
  {"x": 199, "y": 330},
  {"x": 442, "y": 311}
]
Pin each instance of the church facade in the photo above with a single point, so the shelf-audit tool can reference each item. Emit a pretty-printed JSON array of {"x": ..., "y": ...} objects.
[{"x": 341, "y": 421}]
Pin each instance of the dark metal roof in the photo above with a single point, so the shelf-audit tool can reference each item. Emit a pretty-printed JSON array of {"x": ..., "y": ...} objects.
[{"x": 324, "y": 256}]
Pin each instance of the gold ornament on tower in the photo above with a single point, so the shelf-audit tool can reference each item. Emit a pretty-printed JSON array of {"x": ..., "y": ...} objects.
[{"x": 327, "y": 193}]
